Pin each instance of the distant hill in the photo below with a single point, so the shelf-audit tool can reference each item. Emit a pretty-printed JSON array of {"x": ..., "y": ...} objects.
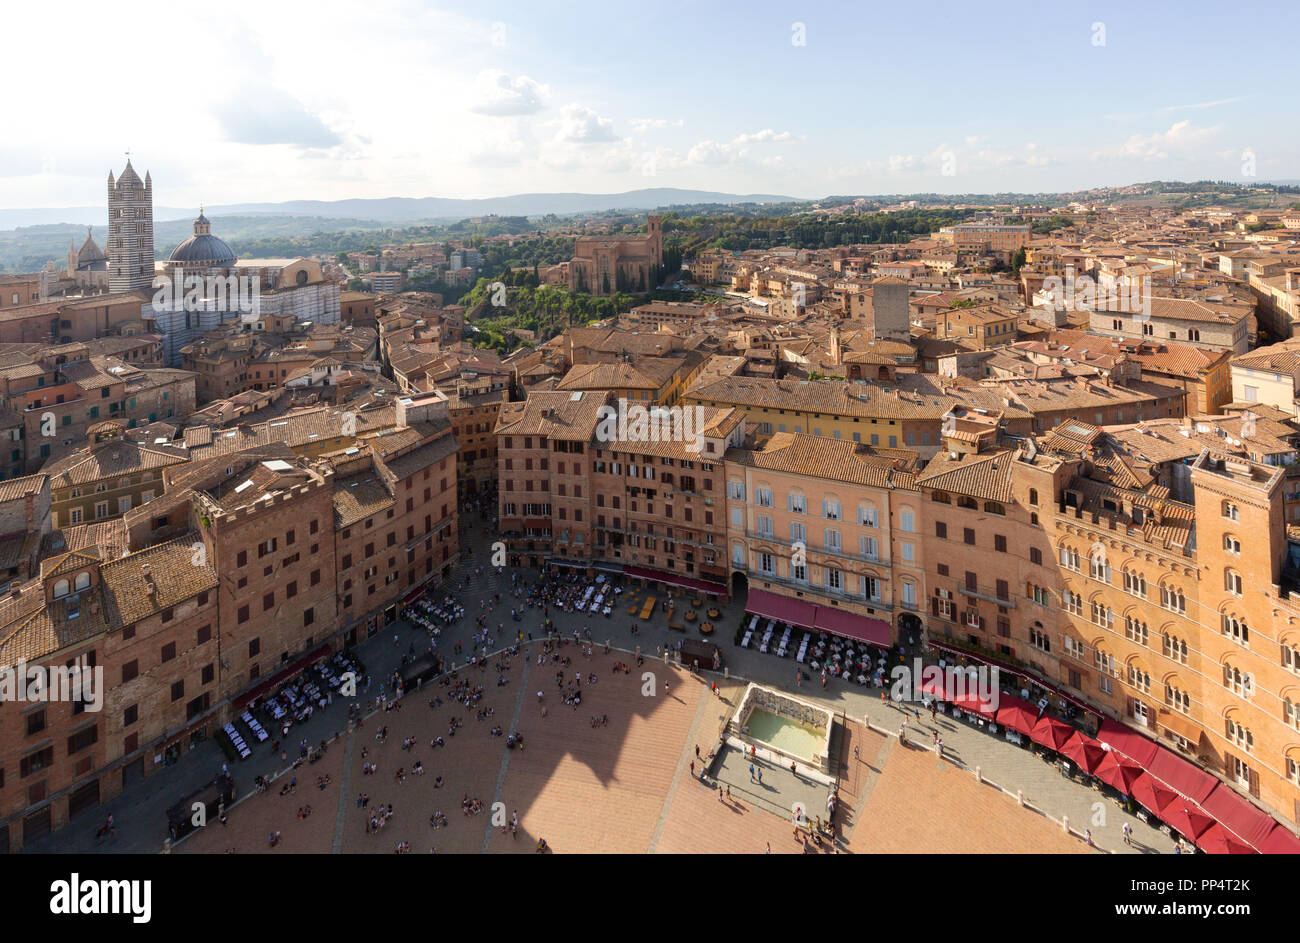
[{"x": 410, "y": 209}]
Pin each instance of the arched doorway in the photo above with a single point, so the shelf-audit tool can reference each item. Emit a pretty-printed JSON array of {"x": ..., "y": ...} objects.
[
  {"x": 739, "y": 585},
  {"x": 909, "y": 624}
]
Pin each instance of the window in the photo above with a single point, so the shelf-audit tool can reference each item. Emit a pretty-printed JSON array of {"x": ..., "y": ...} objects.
[
  {"x": 254, "y": 647},
  {"x": 1039, "y": 639},
  {"x": 798, "y": 504},
  {"x": 906, "y": 520},
  {"x": 1230, "y": 511},
  {"x": 1239, "y": 735},
  {"x": 1000, "y": 543},
  {"x": 1171, "y": 598},
  {"x": 763, "y": 497},
  {"x": 1175, "y": 648},
  {"x": 1070, "y": 559},
  {"x": 1073, "y": 603},
  {"x": 1232, "y": 545},
  {"x": 941, "y": 530},
  {"x": 1232, "y": 582},
  {"x": 867, "y": 516},
  {"x": 1075, "y": 648},
  {"x": 1291, "y": 658},
  {"x": 1178, "y": 699},
  {"x": 169, "y": 651},
  {"x": 1137, "y": 678},
  {"x": 1236, "y": 629},
  {"x": 968, "y": 536},
  {"x": 1238, "y": 681},
  {"x": 178, "y": 690},
  {"x": 1135, "y": 630},
  {"x": 1135, "y": 584}
]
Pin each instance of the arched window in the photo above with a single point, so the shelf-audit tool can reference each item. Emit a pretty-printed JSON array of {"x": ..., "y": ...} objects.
[
  {"x": 82, "y": 582},
  {"x": 941, "y": 497},
  {"x": 60, "y": 589},
  {"x": 993, "y": 507},
  {"x": 1231, "y": 544},
  {"x": 1232, "y": 582},
  {"x": 1033, "y": 497},
  {"x": 1230, "y": 511},
  {"x": 1236, "y": 629}
]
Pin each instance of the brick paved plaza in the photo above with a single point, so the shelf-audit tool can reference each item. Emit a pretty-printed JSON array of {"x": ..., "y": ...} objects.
[{"x": 623, "y": 787}]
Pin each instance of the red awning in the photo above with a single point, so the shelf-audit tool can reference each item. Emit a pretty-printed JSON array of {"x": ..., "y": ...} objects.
[
  {"x": 1281, "y": 841},
  {"x": 1154, "y": 795},
  {"x": 1177, "y": 773},
  {"x": 1118, "y": 772},
  {"x": 1217, "y": 840},
  {"x": 1238, "y": 816},
  {"x": 1086, "y": 752},
  {"x": 850, "y": 625},
  {"x": 961, "y": 695},
  {"x": 1132, "y": 744},
  {"x": 1051, "y": 733},
  {"x": 284, "y": 674},
  {"x": 1018, "y": 672},
  {"x": 672, "y": 579},
  {"x": 781, "y": 608}
]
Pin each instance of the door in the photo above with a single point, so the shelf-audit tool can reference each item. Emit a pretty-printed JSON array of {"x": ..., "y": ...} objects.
[
  {"x": 83, "y": 798},
  {"x": 36, "y": 826}
]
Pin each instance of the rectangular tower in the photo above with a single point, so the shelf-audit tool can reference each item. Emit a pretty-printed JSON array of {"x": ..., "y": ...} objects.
[{"x": 130, "y": 231}]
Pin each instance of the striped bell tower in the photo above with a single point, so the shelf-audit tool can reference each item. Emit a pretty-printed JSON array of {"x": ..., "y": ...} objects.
[{"x": 130, "y": 231}]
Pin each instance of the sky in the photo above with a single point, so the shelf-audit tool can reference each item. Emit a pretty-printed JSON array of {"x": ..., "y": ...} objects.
[{"x": 272, "y": 101}]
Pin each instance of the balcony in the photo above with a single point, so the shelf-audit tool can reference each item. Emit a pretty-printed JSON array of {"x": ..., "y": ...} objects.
[{"x": 976, "y": 593}]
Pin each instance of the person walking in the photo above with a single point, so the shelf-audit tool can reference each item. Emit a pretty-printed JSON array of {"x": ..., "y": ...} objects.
[
  {"x": 1128, "y": 833},
  {"x": 751, "y": 772}
]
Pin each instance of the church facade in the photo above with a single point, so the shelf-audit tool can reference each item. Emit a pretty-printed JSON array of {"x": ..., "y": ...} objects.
[{"x": 602, "y": 265}]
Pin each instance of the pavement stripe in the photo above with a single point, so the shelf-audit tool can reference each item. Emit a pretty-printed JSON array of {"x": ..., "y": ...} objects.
[
  {"x": 683, "y": 763},
  {"x": 345, "y": 790},
  {"x": 525, "y": 652}
]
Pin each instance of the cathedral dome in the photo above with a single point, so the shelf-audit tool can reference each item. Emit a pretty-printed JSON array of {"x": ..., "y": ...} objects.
[
  {"x": 203, "y": 248},
  {"x": 91, "y": 257}
]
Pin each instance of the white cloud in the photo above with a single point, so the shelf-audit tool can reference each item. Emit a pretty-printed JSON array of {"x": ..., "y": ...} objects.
[
  {"x": 1179, "y": 141},
  {"x": 497, "y": 93},
  {"x": 642, "y": 125},
  {"x": 738, "y": 149},
  {"x": 582, "y": 125}
]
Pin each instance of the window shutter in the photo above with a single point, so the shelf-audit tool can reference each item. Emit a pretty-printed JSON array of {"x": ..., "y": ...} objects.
[
  {"x": 1254, "y": 784},
  {"x": 934, "y": 605}
]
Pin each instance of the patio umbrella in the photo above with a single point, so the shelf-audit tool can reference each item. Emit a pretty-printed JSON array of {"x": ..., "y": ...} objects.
[
  {"x": 1118, "y": 773},
  {"x": 1018, "y": 716},
  {"x": 1051, "y": 733},
  {"x": 1154, "y": 795},
  {"x": 1084, "y": 751},
  {"x": 1187, "y": 819},
  {"x": 1216, "y": 840}
]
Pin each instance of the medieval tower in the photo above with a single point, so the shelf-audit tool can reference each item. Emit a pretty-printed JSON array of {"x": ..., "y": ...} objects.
[{"x": 130, "y": 231}]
